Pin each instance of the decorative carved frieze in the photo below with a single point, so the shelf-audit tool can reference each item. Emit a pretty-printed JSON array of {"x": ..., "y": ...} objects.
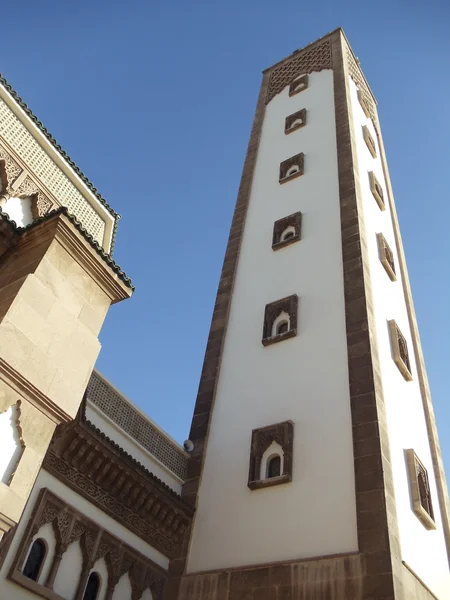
[
  {"x": 316, "y": 58},
  {"x": 92, "y": 465},
  {"x": 364, "y": 95},
  {"x": 71, "y": 526},
  {"x": 41, "y": 204},
  {"x": 11, "y": 167},
  {"x": 9, "y": 174}
]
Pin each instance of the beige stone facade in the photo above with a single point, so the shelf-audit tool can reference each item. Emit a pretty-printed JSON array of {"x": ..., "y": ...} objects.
[{"x": 56, "y": 286}]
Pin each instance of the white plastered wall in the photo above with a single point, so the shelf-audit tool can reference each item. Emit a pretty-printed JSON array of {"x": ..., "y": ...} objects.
[
  {"x": 10, "y": 445},
  {"x": 132, "y": 447},
  {"x": 45, "y": 480},
  {"x": 424, "y": 551},
  {"x": 304, "y": 379}
]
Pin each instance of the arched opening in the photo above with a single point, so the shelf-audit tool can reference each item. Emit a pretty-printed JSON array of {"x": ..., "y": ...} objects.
[
  {"x": 296, "y": 123},
  {"x": 282, "y": 327},
  {"x": 287, "y": 234},
  {"x": 296, "y": 86},
  {"x": 92, "y": 587},
  {"x": 294, "y": 169},
  {"x": 35, "y": 560},
  {"x": 281, "y": 324},
  {"x": 273, "y": 466}
]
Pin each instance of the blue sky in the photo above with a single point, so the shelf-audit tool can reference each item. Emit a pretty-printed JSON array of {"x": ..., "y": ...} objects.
[{"x": 154, "y": 101}]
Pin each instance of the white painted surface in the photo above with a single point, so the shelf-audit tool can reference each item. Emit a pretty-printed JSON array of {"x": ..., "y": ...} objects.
[
  {"x": 10, "y": 446},
  {"x": 134, "y": 449},
  {"x": 122, "y": 590},
  {"x": 19, "y": 210},
  {"x": 423, "y": 550},
  {"x": 68, "y": 575},
  {"x": 304, "y": 379}
]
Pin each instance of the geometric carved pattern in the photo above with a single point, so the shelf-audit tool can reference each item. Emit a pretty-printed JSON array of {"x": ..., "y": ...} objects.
[
  {"x": 96, "y": 468},
  {"x": 364, "y": 96},
  {"x": 42, "y": 205},
  {"x": 287, "y": 305},
  {"x": 386, "y": 256},
  {"x": 11, "y": 167},
  {"x": 71, "y": 526},
  {"x": 110, "y": 402},
  {"x": 400, "y": 350},
  {"x": 317, "y": 58},
  {"x": 46, "y": 170},
  {"x": 420, "y": 490},
  {"x": 282, "y": 434}
]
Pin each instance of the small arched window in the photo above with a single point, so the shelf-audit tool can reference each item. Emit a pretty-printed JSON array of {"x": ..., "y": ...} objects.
[
  {"x": 273, "y": 466},
  {"x": 35, "y": 559},
  {"x": 282, "y": 327},
  {"x": 294, "y": 169},
  {"x": 92, "y": 587},
  {"x": 287, "y": 235}
]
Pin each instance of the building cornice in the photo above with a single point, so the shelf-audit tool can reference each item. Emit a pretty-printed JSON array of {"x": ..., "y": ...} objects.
[
  {"x": 88, "y": 462},
  {"x": 32, "y": 394},
  {"x": 81, "y": 245}
]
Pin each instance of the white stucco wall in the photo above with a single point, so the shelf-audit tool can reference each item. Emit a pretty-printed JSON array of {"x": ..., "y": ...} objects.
[
  {"x": 304, "y": 379},
  {"x": 68, "y": 575},
  {"x": 14, "y": 592},
  {"x": 423, "y": 550},
  {"x": 134, "y": 449},
  {"x": 10, "y": 446}
]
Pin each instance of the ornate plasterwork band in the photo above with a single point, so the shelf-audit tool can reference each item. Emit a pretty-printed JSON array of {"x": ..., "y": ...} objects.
[
  {"x": 18, "y": 183},
  {"x": 96, "y": 468},
  {"x": 71, "y": 526},
  {"x": 318, "y": 57}
]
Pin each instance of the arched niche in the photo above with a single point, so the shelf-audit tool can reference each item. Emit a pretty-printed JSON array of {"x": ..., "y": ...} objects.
[
  {"x": 46, "y": 533},
  {"x": 281, "y": 324},
  {"x": 69, "y": 571},
  {"x": 12, "y": 443},
  {"x": 271, "y": 452},
  {"x": 122, "y": 591}
]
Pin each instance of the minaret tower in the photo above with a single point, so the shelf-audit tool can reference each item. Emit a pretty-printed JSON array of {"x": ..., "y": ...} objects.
[{"x": 316, "y": 471}]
